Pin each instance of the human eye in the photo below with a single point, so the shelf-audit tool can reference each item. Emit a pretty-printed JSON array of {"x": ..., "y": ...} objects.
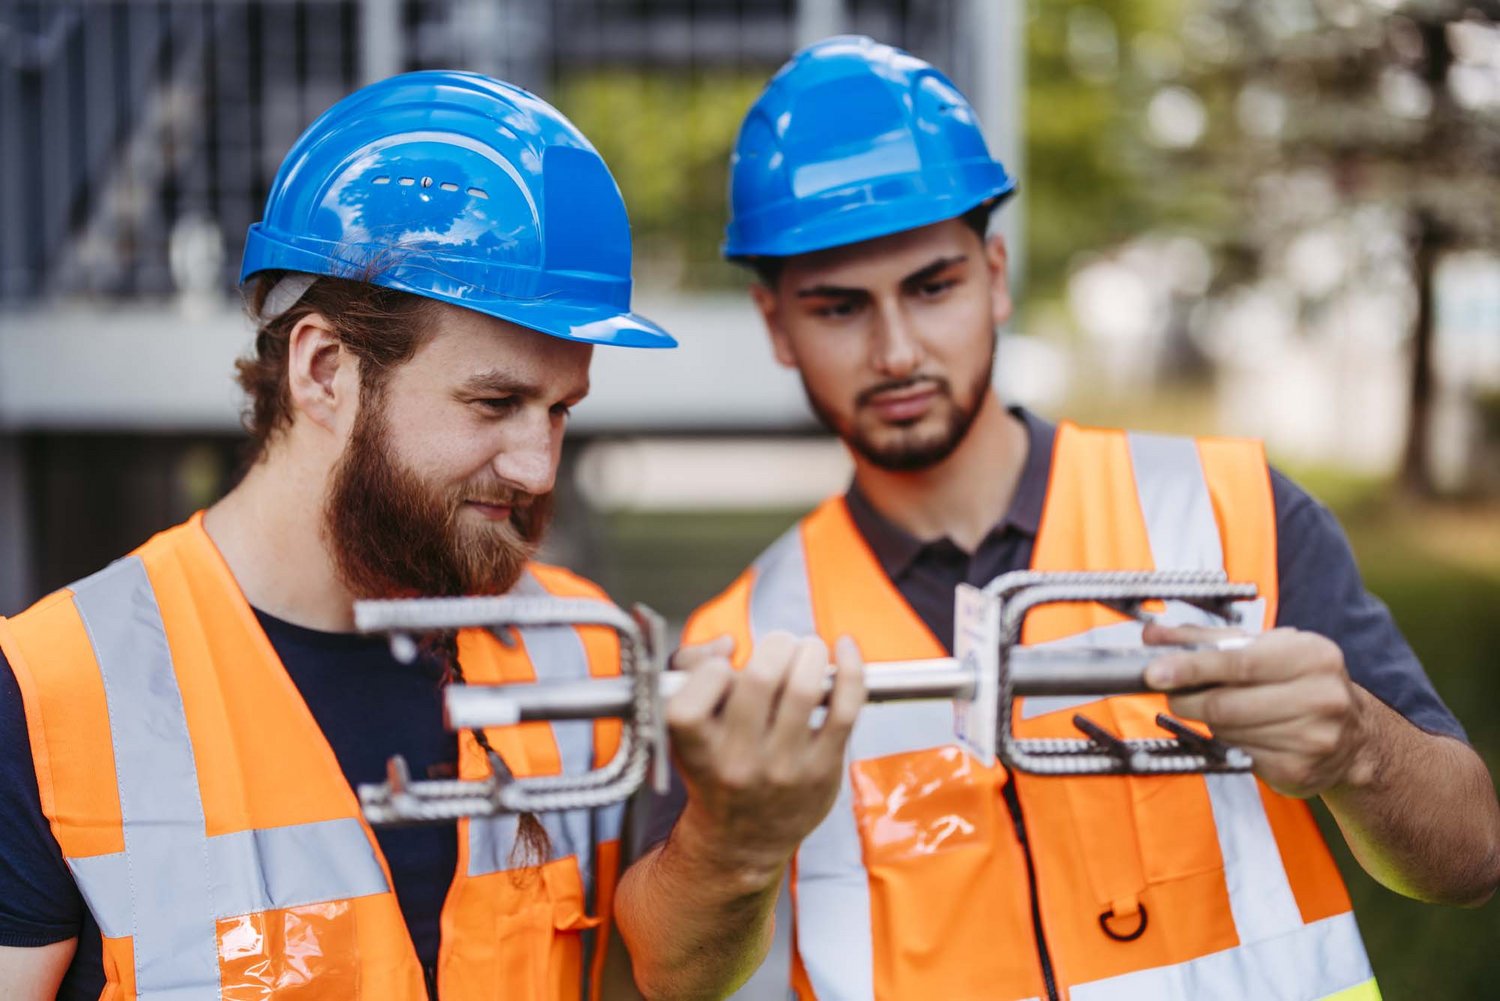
[
  {"x": 837, "y": 309},
  {"x": 935, "y": 288},
  {"x": 498, "y": 406},
  {"x": 561, "y": 410}
]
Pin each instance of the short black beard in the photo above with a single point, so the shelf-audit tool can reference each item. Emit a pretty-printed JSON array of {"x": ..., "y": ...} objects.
[
  {"x": 391, "y": 535},
  {"x": 902, "y": 458}
]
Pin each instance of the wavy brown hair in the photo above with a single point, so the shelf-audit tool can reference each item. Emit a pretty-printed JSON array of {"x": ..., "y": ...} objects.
[{"x": 380, "y": 326}]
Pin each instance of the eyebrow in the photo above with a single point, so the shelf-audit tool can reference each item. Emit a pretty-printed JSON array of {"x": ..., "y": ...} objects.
[
  {"x": 917, "y": 277},
  {"x": 937, "y": 267},
  {"x": 497, "y": 383}
]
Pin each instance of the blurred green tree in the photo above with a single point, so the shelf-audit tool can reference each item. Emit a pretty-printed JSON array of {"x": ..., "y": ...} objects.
[
  {"x": 1395, "y": 103},
  {"x": 1094, "y": 175},
  {"x": 667, "y": 137}
]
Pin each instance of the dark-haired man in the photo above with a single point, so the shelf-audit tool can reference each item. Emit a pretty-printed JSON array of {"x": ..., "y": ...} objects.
[
  {"x": 859, "y": 188},
  {"x": 179, "y": 732}
]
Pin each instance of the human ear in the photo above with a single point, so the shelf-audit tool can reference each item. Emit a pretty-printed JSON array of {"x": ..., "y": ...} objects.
[
  {"x": 995, "y": 259},
  {"x": 315, "y": 358},
  {"x": 769, "y": 305}
]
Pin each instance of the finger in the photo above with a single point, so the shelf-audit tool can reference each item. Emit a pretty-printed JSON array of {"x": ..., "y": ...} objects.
[
  {"x": 1284, "y": 739},
  {"x": 806, "y": 686},
  {"x": 1257, "y": 663},
  {"x": 847, "y": 698},
  {"x": 689, "y": 657},
  {"x": 1156, "y": 634},
  {"x": 747, "y": 711},
  {"x": 1241, "y": 707},
  {"x": 697, "y": 701}
]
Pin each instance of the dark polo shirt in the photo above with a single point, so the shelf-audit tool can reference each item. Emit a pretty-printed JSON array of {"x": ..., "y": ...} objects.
[{"x": 1320, "y": 588}]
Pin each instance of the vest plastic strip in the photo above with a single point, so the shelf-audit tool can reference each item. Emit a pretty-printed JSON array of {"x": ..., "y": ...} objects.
[
  {"x": 1315, "y": 961},
  {"x": 166, "y": 849},
  {"x": 1184, "y": 535},
  {"x": 834, "y": 936}
]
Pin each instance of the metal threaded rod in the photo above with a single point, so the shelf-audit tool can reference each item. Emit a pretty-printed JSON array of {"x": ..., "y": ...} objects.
[{"x": 1077, "y": 671}]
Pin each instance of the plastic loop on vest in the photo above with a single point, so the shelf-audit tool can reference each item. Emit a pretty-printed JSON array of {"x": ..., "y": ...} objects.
[
  {"x": 464, "y": 189},
  {"x": 853, "y": 140},
  {"x": 1105, "y": 917}
]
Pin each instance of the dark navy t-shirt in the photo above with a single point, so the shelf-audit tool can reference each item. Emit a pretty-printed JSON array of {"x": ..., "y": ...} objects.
[{"x": 369, "y": 706}]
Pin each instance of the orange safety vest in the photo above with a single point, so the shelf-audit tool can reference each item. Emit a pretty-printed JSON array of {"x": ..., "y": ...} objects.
[
  {"x": 214, "y": 837},
  {"x": 1169, "y": 888}
]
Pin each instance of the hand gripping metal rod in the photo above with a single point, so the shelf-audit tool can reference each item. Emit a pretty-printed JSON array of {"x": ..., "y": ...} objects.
[{"x": 990, "y": 670}]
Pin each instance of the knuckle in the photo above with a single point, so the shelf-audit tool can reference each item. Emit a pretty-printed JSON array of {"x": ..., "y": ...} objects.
[
  {"x": 1214, "y": 706},
  {"x": 1242, "y": 667},
  {"x": 802, "y": 688},
  {"x": 759, "y": 679},
  {"x": 1322, "y": 742},
  {"x": 735, "y": 779},
  {"x": 1300, "y": 773}
]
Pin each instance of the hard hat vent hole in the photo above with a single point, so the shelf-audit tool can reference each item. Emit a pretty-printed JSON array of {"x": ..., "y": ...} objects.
[
  {"x": 426, "y": 182},
  {"x": 381, "y": 180},
  {"x": 407, "y": 182},
  {"x": 448, "y": 186},
  {"x": 479, "y": 193}
]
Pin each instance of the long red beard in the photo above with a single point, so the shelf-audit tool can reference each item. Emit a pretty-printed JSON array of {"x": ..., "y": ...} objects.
[{"x": 393, "y": 535}]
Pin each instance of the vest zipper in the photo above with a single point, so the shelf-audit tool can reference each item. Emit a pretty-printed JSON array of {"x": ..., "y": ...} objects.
[{"x": 1013, "y": 804}]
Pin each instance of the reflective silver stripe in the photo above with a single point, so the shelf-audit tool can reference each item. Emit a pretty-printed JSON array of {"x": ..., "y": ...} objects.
[
  {"x": 271, "y": 868},
  {"x": 556, "y": 655},
  {"x": 609, "y": 822},
  {"x": 166, "y": 847},
  {"x": 1260, "y": 894},
  {"x": 780, "y": 593},
  {"x": 1184, "y": 535},
  {"x": 1175, "y": 501},
  {"x": 1179, "y": 513},
  {"x": 104, "y": 882},
  {"x": 256, "y": 870},
  {"x": 1314, "y": 961},
  {"x": 834, "y": 936},
  {"x": 173, "y": 883}
]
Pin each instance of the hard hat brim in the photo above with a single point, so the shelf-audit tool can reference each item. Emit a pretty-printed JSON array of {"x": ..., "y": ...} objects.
[
  {"x": 590, "y": 320},
  {"x": 867, "y": 221}
]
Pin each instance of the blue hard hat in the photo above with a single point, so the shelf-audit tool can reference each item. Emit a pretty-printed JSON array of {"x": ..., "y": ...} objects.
[
  {"x": 852, "y": 140},
  {"x": 464, "y": 189}
]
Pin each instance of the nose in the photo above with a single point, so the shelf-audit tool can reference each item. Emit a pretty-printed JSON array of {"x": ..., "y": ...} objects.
[
  {"x": 896, "y": 351},
  {"x": 528, "y": 460}
]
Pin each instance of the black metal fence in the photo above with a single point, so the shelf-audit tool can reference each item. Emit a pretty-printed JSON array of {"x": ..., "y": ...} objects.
[{"x": 138, "y": 137}]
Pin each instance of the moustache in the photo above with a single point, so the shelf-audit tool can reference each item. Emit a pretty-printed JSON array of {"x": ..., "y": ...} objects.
[
  {"x": 518, "y": 500},
  {"x": 867, "y": 396}
]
